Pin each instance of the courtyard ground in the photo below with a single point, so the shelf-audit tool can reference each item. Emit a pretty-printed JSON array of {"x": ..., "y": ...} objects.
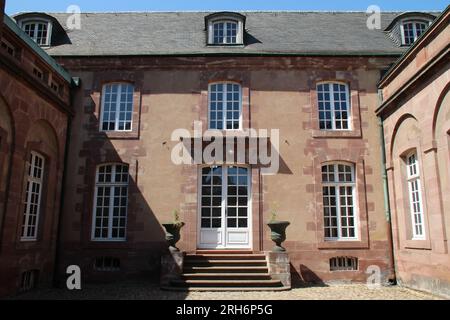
[{"x": 147, "y": 291}]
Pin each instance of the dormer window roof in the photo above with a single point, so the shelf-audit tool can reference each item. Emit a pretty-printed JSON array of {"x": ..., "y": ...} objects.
[
  {"x": 225, "y": 28},
  {"x": 406, "y": 28},
  {"x": 44, "y": 29}
]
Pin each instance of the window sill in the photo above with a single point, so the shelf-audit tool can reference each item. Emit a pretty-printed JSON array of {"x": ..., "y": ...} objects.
[
  {"x": 355, "y": 134},
  {"x": 342, "y": 244},
  {"x": 417, "y": 244},
  {"x": 119, "y": 134}
]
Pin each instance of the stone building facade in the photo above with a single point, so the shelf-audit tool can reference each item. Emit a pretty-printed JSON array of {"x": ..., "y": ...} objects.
[
  {"x": 229, "y": 72},
  {"x": 416, "y": 121},
  {"x": 35, "y": 108}
]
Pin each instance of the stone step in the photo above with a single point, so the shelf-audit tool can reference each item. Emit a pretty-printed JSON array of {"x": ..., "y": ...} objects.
[
  {"x": 226, "y": 269},
  {"x": 227, "y": 283},
  {"x": 233, "y": 256},
  {"x": 226, "y": 276},
  {"x": 247, "y": 252},
  {"x": 221, "y": 289},
  {"x": 223, "y": 262}
]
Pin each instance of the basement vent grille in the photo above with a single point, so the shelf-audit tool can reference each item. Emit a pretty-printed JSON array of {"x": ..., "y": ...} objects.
[
  {"x": 29, "y": 280},
  {"x": 107, "y": 264},
  {"x": 343, "y": 264}
]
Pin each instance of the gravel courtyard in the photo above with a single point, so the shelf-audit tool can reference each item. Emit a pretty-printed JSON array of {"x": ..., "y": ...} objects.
[{"x": 146, "y": 291}]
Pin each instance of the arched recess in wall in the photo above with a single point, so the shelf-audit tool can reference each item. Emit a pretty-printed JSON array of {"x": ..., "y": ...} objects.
[
  {"x": 441, "y": 135},
  {"x": 42, "y": 139},
  {"x": 407, "y": 138},
  {"x": 406, "y": 117},
  {"x": 6, "y": 143}
]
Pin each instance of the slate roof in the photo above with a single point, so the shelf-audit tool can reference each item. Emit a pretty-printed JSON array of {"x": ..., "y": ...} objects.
[{"x": 267, "y": 33}]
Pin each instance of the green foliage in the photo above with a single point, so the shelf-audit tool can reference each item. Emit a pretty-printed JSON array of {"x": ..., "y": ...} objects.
[
  {"x": 176, "y": 218},
  {"x": 274, "y": 212}
]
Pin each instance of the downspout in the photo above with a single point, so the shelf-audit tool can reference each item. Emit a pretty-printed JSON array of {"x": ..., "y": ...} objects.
[
  {"x": 387, "y": 207},
  {"x": 56, "y": 275}
]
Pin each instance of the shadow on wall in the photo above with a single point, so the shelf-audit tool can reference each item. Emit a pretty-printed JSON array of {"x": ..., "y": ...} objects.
[
  {"x": 139, "y": 257},
  {"x": 305, "y": 278}
]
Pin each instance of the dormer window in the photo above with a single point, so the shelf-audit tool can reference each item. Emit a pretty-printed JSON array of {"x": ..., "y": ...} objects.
[
  {"x": 38, "y": 30},
  {"x": 412, "y": 30},
  {"x": 225, "y": 32},
  {"x": 225, "y": 29}
]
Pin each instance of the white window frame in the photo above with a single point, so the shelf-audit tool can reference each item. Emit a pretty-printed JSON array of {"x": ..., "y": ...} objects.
[
  {"x": 32, "y": 180},
  {"x": 117, "y": 106},
  {"x": 355, "y": 206},
  {"x": 414, "y": 23},
  {"x": 224, "y": 104},
  {"x": 332, "y": 102},
  {"x": 239, "y": 31},
  {"x": 112, "y": 185},
  {"x": 36, "y": 22},
  {"x": 414, "y": 180}
]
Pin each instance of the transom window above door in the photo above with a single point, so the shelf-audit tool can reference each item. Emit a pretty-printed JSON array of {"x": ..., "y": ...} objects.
[
  {"x": 117, "y": 107},
  {"x": 334, "y": 106},
  {"x": 225, "y": 106}
]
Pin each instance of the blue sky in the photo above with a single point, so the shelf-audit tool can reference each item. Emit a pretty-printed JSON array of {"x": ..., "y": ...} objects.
[{"x": 14, "y": 6}]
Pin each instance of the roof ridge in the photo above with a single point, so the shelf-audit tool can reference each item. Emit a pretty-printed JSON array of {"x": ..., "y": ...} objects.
[{"x": 242, "y": 11}]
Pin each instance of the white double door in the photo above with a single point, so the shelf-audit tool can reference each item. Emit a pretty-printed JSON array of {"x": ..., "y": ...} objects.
[{"x": 224, "y": 208}]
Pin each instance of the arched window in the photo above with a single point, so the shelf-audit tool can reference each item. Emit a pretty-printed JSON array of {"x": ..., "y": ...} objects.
[
  {"x": 415, "y": 196},
  {"x": 225, "y": 28},
  {"x": 111, "y": 202},
  {"x": 334, "y": 106},
  {"x": 411, "y": 30},
  {"x": 33, "y": 195},
  {"x": 117, "y": 107},
  {"x": 225, "y": 106},
  {"x": 339, "y": 202}
]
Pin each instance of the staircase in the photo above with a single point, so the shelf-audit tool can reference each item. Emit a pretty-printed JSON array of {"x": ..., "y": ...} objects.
[{"x": 226, "y": 271}]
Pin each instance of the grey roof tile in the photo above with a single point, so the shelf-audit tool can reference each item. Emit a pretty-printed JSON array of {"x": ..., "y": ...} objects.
[{"x": 183, "y": 33}]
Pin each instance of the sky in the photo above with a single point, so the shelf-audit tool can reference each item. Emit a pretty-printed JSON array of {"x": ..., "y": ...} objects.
[{"x": 14, "y": 6}]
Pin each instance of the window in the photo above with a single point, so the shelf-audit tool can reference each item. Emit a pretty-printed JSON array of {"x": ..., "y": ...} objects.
[
  {"x": 8, "y": 47},
  {"x": 415, "y": 197},
  {"x": 33, "y": 194},
  {"x": 117, "y": 107},
  {"x": 39, "y": 31},
  {"x": 411, "y": 30},
  {"x": 334, "y": 106},
  {"x": 107, "y": 264},
  {"x": 225, "y": 106},
  {"x": 339, "y": 202},
  {"x": 38, "y": 73},
  {"x": 343, "y": 264},
  {"x": 225, "y": 28},
  {"x": 225, "y": 32},
  {"x": 111, "y": 202}
]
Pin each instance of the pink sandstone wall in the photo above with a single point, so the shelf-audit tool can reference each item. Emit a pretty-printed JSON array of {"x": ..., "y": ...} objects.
[{"x": 171, "y": 93}]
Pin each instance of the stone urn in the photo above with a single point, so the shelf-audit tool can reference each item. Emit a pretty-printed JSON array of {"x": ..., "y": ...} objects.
[
  {"x": 278, "y": 234},
  {"x": 173, "y": 234}
]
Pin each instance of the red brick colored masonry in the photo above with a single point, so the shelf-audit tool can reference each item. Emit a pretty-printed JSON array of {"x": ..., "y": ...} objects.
[
  {"x": 278, "y": 93},
  {"x": 416, "y": 116},
  {"x": 33, "y": 117}
]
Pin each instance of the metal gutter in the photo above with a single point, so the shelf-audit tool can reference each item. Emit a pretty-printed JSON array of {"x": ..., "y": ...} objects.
[{"x": 387, "y": 206}]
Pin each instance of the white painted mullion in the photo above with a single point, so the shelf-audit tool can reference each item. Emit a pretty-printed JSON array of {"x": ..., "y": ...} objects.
[
  {"x": 111, "y": 201},
  {"x": 41, "y": 186},
  {"x": 119, "y": 95},
  {"x": 333, "y": 110},
  {"x": 338, "y": 201},
  {"x": 224, "y": 204}
]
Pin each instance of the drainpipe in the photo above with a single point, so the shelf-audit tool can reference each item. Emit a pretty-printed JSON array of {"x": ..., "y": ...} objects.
[
  {"x": 387, "y": 207},
  {"x": 75, "y": 84}
]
